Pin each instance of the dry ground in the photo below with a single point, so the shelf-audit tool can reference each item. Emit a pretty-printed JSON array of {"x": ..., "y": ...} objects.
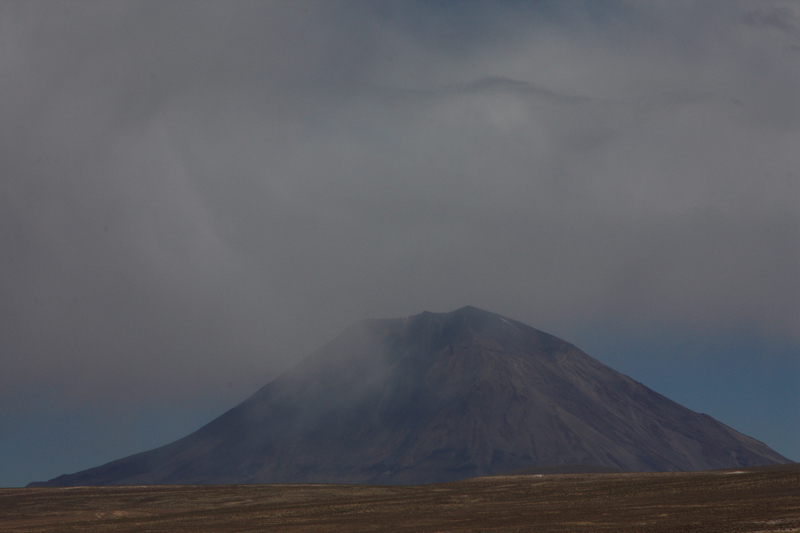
[{"x": 760, "y": 499}]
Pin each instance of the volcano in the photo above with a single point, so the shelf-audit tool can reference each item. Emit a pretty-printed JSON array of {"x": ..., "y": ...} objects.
[{"x": 438, "y": 397}]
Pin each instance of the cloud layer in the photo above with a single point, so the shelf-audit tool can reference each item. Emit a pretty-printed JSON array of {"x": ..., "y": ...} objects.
[{"x": 195, "y": 195}]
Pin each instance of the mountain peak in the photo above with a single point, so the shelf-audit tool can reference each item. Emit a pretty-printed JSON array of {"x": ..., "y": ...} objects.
[
  {"x": 438, "y": 397},
  {"x": 467, "y": 313}
]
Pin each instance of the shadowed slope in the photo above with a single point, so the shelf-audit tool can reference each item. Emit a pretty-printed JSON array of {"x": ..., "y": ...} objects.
[{"x": 439, "y": 397}]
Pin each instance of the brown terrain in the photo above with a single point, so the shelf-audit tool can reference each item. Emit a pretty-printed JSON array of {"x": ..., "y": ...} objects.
[{"x": 763, "y": 499}]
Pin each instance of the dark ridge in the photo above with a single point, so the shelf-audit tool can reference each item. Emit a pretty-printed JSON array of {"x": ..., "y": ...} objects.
[{"x": 564, "y": 469}]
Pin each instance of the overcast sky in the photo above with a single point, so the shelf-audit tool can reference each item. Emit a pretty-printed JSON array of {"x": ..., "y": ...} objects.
[{"x": 193, "y": 196}]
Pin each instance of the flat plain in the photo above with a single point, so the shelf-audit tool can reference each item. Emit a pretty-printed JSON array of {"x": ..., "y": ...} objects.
[{"x": 762, "y": 499}]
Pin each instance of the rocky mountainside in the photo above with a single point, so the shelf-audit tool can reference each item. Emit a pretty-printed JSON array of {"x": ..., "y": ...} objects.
[{"x": 438, "y": 397}]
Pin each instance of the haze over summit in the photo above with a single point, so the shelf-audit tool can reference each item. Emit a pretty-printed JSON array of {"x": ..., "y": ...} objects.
[{"x": 195, "y": 196}]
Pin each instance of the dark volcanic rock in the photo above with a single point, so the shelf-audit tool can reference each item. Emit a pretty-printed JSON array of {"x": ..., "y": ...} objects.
[{"x": 438, "y": 397}]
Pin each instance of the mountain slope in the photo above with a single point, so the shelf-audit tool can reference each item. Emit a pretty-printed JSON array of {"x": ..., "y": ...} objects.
[{"x": 438, "y": 397}]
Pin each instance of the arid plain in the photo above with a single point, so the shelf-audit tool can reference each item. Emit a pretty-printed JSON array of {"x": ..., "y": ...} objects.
[{"x": 757, "y": 499}]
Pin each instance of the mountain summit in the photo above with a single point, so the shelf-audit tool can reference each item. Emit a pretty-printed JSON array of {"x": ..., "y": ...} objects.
[{"x": 438, "y": 397}]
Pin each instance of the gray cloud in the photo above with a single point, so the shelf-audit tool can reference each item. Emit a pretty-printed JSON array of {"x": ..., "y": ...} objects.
[
  {"x": 198, "y": 194},
  {"x": 782, "y": 18}
]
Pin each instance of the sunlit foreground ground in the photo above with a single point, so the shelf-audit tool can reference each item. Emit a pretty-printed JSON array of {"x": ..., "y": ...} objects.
[{"x": 766, "y": 499}]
